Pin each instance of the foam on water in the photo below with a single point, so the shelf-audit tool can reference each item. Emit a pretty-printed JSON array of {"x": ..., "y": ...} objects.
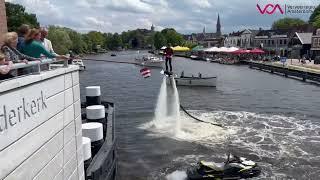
[
  {"x": 177, "y": 175},
  {"x": 276, "y": 141},
  {"x": 191, "y": 130}
]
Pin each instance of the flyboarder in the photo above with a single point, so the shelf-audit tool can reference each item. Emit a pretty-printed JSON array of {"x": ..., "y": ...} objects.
[{"x": 168, "y": 53}]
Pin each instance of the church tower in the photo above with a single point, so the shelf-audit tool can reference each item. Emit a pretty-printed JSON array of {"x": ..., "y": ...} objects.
[
  {"x": 152, "y": 28},
  {"x": 218, "y": 26}
]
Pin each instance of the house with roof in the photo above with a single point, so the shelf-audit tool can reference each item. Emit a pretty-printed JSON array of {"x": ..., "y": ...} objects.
[
  {"x": 247, "y": 38},
  {"x": 315, "y": 46},
  {"x": 233, "y": 39},
  {"x": 300, "y": 45},
  {"x": 273, "y": 41}
]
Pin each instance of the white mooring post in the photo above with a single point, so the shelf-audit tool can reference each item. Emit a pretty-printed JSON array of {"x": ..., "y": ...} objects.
[
  {"x": 94, "y": 131},
  {"x": 93, "y": 94}
]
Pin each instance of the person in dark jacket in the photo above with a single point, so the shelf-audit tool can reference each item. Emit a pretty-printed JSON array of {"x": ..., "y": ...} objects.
[
  {"x": 168, "y": 53},
  {"x": 22, "y": 33}
]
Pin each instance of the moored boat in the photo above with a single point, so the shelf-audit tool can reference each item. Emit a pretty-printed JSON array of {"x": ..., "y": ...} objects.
[
  {"x": 150, "y": 61},
  {"x": 79, "y": 62},
  {"x": 195, "y": 81}
]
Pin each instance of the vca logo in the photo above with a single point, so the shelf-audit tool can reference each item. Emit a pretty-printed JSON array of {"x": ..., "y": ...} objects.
[{"x": 270, "y": 9}]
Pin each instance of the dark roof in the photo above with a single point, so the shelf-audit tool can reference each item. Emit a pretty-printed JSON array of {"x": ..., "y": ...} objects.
[
  {"x": 236, "y": 33},
  {"x": 273, "y": 32}
]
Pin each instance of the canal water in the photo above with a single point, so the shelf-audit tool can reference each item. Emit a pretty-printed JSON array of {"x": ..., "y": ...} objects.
[{"x": 268, "y": 118}]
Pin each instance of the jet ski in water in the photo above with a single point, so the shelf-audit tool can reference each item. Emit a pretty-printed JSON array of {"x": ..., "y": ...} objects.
[{"x": 234, "y": 168}]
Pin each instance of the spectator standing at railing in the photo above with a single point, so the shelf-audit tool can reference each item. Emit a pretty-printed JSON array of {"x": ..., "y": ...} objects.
[
  {"x": 22, "y": 33},
  {"x": 35, "y": 49},
  {"x": 10, "y": 49},
  {"x": 46, "y": 42},
  {"x": 5, "y": 67}
]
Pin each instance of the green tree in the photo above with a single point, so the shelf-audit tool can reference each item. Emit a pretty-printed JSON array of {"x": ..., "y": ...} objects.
[
  {"x": 316, "y": 22},
  {"x": 116, "y": 41},
  {"x": 287, "y": 23},
  {"x": 16, "y": 16},
  {"x": 173, "y": 37},
  {"x": 96, "y": 38},
  {"x": 314, "y": 15},
  {"x": 159, "y": 40},
  {"x": 60, "y": 39},
  {"x": 78, "y": 44},
  {"x": 88, "y": 42},
  {"x": 107, "y": 40}
]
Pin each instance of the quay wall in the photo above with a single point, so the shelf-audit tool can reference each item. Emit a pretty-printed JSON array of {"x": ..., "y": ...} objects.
[{"x": 40, "y": 127}]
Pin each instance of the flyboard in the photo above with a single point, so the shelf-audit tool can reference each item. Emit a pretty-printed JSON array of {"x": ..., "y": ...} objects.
[{"x": 168, "y": 74}]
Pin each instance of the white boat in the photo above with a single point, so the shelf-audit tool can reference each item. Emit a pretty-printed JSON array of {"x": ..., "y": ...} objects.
[
  {"x": 150, "y": 61},
  {"x": 194, "y": 57},
  {"x": 79, "y": 62},
  {"x": 195, "y": 81}
]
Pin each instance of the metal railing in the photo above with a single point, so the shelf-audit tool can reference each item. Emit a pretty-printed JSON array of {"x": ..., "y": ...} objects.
[{"x": 36, "y": 64}]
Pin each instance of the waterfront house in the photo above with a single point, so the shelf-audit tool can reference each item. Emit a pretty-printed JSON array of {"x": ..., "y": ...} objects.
[
  {"x": 247, "y": 38},
  {"x": 273, "y": 41},
  {"x": 315, "y": 45},
  {"x": 233, "y": 39},
  {"x": 300, "y": 45}
]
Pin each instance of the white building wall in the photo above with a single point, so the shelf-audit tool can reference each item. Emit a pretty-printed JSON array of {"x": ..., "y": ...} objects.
[
  {"x": 232, "y": 41},
  {"x": 39, "y": 127}
]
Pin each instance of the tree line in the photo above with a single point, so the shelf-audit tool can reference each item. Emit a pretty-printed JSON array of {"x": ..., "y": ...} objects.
[
  {"x": 65, "y": 39},
  {"x": 289, "y": 23}
]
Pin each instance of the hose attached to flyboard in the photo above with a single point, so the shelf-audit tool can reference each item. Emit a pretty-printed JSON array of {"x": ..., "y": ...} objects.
[{"x": 183, "y": 109}]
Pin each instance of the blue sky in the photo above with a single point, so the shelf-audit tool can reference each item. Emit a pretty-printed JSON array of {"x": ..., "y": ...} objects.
[{"x": 185, "y": 16}]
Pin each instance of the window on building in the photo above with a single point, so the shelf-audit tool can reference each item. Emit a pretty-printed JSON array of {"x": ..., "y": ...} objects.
[
  {"x": 314, "y": 44},
  {"x": 269, "y": 42},
  {"x": 272, "y": 42},
  {"x": 285, "y": 42},
  {"x": 280, "y": 41},
  {"x": 318, "y": 44}
]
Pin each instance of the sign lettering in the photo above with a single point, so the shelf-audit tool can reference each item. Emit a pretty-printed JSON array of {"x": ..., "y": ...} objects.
[{"x": 24, "y": 111}]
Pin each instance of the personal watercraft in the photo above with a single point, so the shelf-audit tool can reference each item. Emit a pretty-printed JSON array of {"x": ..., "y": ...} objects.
[{"x": 234, "y": 168}]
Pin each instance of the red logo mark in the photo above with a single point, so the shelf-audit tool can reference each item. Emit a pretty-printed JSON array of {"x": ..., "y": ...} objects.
[{"x": 270, "y": 9}]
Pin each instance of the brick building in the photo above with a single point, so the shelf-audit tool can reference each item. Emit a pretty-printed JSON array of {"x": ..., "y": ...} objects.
[{"x": 3, "y": 18}]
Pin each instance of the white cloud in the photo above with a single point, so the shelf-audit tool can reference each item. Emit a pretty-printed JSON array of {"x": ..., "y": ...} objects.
[{"x": 122, "y": 15}]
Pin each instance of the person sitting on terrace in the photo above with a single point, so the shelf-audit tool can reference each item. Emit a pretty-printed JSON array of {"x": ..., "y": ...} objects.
[
  {"x": 22, "y": 32},
  {"x": 5, "y": 67},
  {"x": 10, "y": 51},
  {"x": 46, "y": 42},
  {"x": 35, "y": 49}
]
